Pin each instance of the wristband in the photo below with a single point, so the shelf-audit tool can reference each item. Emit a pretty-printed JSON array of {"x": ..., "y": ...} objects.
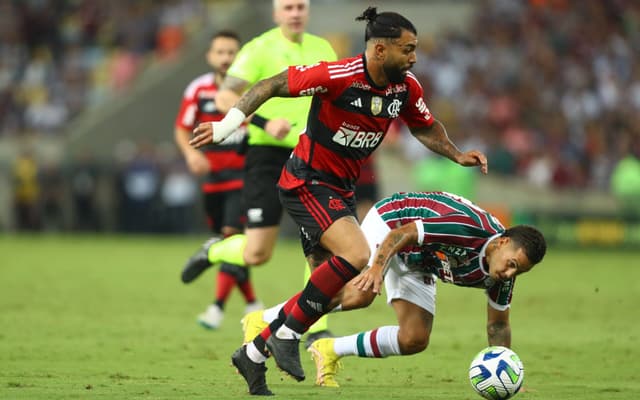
[
  {"x": 259, "y": 121},
  {"x": 228, "y": 125}
]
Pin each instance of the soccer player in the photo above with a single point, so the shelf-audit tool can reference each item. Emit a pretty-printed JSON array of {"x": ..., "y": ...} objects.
[
  {"x": 366, "y": 191},
  {"x": 354, "y": 102},
  {"x": 415, "y": 239},
  {"x": 222, "y": 166},
  {"x": 273, "y": 133}
]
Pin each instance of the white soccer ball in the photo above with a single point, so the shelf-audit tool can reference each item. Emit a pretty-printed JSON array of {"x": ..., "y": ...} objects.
[{"x": 496, "y": 373}]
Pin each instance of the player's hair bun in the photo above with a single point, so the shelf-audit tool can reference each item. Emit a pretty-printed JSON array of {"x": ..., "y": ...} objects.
[{"x": 368, "y": 15}]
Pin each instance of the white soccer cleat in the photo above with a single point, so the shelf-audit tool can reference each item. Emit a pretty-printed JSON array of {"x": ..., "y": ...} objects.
[{"x": 212, "y": 317}]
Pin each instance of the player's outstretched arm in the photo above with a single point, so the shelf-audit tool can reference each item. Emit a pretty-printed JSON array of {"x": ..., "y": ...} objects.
[
  {"x": 229, "y": 93},
  {"x": 498, "y": 327},
  {"x": 435, "y": 138},
  {"x": 216, "y": 132},
  {"x": 395, "y": 240}
]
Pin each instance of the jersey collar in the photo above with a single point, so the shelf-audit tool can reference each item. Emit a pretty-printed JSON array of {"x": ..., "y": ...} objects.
[
  {"x": 366, "y": 73},
  {"x": 482, "y": 255}
]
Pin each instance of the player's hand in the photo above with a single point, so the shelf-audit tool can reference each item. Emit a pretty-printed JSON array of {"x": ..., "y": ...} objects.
[
  {"x": 197, "y": 162},
  {"x": 278, "y": 128},
  {"x": 474, "y": 158},
  {"x": 369, "y": 279},
  {"x": 202, "y": 135}
]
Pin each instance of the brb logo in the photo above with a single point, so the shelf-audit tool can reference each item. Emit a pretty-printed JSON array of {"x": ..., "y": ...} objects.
[{"x": 357, "y": 139}]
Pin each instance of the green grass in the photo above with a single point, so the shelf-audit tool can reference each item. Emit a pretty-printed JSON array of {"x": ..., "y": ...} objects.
[{"x": 107, "y": 318}]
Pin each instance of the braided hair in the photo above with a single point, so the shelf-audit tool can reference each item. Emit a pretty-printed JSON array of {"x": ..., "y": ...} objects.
[{"x": 384, "y": 25}]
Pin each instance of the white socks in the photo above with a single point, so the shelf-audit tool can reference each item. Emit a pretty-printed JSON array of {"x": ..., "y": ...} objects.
[
  {"x": 254, "y": 354},
  {"x": 270, "y": 314},
  {"x": 378, "y": 343}
]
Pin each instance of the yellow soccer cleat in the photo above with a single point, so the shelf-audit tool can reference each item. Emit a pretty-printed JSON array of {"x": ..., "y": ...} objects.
[
  {"x": 327, "y": 362},
  {"x": 252, "y": 325}
]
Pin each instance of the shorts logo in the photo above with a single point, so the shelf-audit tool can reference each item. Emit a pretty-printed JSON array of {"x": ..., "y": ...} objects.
[
  {"x": 336, "y": 204},
  {"x": 254, "y": 215}
]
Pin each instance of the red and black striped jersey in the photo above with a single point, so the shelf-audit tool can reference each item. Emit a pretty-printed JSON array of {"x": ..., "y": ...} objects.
[
  {"x": 226, "y": 164},
  {"x": 453, "y": 234},
  {"x": 348, "y": 119}
]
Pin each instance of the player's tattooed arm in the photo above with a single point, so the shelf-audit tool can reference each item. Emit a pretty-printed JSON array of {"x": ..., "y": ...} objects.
[
  {"x": 234, "y": 84},
  {"x": 229, "y": 93},
  {"x": 395, "y": 240},
  {"x": 435, "y": 138},
  {"x": 276, "y": 86},
  {"x": 498, "y": 327}
]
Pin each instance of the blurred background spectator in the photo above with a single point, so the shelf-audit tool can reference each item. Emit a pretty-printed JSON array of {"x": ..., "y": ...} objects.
[{"x": 548, "y": 87}]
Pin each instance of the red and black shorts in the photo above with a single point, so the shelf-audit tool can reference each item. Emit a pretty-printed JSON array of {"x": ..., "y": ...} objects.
[
  {"x": 314, "y": 208},
  {"x": 263, "y": 166},
  {"x": 224, "y": 209}
]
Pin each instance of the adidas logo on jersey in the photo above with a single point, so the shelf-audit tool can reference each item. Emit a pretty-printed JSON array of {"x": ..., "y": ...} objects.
[
  {"x": 357, "y": 139},
  {"x": 315, "y": 306},
  {"x": 357, "y": 102}
]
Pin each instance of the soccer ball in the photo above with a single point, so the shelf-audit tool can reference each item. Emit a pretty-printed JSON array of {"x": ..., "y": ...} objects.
[{"x": 496, "y": 373}]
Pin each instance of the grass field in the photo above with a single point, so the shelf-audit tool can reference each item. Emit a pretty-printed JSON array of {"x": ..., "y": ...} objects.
[{"x": 98, "y": 317}]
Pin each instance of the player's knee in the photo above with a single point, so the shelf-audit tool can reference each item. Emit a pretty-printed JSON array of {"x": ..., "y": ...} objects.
[
  {"x": 227, "y": 231},
  {"x": 413, "y": 343},
  {"x": 358, "y": 259},
  {"x": 256, "y": 257}
]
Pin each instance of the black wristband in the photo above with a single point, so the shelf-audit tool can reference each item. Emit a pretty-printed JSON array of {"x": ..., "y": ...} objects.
[{"x": 259, "y": 121}]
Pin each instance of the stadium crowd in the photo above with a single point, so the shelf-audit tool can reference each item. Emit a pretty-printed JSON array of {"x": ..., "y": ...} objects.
[
  {"x": 59, "y": 57},
  {"x": 550, "y": 89}
]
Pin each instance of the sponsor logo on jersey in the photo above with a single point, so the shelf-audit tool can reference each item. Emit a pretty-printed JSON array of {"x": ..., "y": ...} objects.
[
  {"x": 455, "y": 251},
  {"x": 399, "y": 88},
  {"x": 376, "y": 105},
  {"x": 314, "y": 90},
  {"x": 422, "y": 107},
  {"x": 361, "y": 85},
  {"x": 445, "y": 271},
  {"x": 357, "y": 139},
  {"x": 336, "y": 204},
  {"x": 394, "y": 108}
]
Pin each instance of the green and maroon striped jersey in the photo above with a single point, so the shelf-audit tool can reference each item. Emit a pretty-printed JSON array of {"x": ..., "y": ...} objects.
[{"x": 452, "y": 237}]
